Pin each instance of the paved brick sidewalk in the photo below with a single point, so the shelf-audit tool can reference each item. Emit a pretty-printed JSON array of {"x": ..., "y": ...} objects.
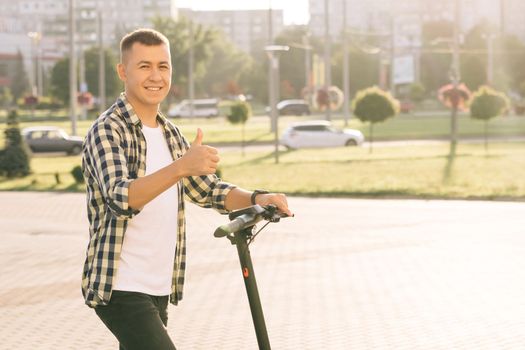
[{"x": 344, "y": 274}]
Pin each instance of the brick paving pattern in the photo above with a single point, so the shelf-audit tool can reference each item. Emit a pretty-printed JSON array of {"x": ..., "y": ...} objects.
[{"x": 343, "y": 274}]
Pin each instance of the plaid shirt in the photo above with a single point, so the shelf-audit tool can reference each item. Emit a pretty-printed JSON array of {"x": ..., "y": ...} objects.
[{"x": 114, "y": 154}]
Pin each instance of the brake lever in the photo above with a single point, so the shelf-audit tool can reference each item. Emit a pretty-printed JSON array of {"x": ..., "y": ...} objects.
[{"x": 272, "y": 214}]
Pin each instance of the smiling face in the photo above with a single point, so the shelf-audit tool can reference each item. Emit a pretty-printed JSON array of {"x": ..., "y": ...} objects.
[{"x": 146, "y": 73}]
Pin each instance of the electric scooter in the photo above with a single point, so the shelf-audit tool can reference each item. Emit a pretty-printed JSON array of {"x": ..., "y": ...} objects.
[{"x": 240, "y": 232}]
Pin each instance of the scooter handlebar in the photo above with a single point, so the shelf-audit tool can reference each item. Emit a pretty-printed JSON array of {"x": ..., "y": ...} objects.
[
  {"x": 247, "y": 217},
  {"x": 235, "y": 225}
]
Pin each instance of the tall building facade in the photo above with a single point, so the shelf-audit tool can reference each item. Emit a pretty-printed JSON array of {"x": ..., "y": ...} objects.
[
  {"x": 513, "y": 17},
  {"x": 247, "y": 29},
  {"x": 378, "y": 15},
  {"x": 40, "y": 28}
]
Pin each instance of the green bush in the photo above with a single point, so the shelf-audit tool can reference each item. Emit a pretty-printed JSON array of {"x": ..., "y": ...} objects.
[
  {"x": 487, "y": 103},
  {"x": 77, "y": 174},
  {"x": 417, "y": 92},
  {"x": 239, "y": 113},
  {"x": 14, "y": 158},
  {"x": 374, "y": 105}
]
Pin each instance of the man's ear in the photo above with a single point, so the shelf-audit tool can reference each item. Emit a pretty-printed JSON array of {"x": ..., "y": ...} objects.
[{"x": 121, "y": 71}]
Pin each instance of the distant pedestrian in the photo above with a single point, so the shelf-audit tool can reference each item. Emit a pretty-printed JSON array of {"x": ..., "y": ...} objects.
[{"x": 139, "y": 169}]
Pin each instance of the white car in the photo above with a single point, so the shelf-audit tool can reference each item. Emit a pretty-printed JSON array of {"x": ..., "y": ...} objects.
[
  {"x": 202, "y": 108},
  {"x": 319, "y": 133}
]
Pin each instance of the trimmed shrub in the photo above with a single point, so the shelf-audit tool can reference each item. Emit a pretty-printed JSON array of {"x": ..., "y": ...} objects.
[
  {"x": 374, "y": 105},
  {"x": 487, "y": 103},
  {"x": 77, "y": 174},
  {"x": 15, "y": 157}
]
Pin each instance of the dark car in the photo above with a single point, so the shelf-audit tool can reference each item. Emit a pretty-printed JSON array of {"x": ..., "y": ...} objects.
[
  {"x": 51, "y": 139},
  {"x": 293, "y": 107}
]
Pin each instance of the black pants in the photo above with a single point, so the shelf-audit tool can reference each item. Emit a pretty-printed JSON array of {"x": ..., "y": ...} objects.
[{"x": 137, "y": 320}]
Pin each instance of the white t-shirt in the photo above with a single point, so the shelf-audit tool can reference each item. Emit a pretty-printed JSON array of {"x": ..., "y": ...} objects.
[{"x": 148, "y": 250}]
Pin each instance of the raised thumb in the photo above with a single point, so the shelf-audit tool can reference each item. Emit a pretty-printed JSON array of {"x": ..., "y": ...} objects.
[{"x": 198, "y": 138}]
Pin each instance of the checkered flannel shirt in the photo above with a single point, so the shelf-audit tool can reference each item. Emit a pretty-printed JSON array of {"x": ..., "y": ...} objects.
[{"x": 114, "y": 154}]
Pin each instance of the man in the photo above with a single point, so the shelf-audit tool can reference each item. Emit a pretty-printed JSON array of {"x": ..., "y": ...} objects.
[{"x": 138, "y": 169}]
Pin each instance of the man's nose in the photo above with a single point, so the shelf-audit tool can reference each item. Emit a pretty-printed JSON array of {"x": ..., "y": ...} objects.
[{"x": 155, "y": 74}]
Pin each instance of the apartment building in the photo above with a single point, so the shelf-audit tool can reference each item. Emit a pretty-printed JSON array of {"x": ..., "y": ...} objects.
[{"x": 247, "y": 29}]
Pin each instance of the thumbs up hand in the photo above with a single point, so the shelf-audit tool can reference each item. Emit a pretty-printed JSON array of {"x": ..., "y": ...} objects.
[
  {"x": 198, "y": 138},
  {"x": 199, "y": 159}
]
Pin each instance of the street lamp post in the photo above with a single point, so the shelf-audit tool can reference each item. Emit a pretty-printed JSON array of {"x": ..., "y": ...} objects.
[
  {"x": 327, "y": 57},
  {"x": 346, "y": 80},
  {"x": 270, "y": 71},
  {"x": 101, "y": 65},
  {"x": 490, "y": 56},
  {"x": 35, "y": 63},
  {"x": 274, "y": 52},
  {"x": 456, "y": 77},
  {"x": 72, "y": 69}
]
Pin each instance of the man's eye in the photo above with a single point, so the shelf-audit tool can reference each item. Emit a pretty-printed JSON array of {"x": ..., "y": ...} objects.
[
  {"x": 164, "y": 67},
  {"x": 143, "y": 66}
]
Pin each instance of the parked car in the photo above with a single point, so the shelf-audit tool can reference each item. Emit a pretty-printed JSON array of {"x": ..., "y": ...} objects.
[
  {"x": 292, "y": 107},
  {"x": 51, "y": 139},
  {"x": 202, "y": 108},
  {"x": 319, "y": 133}
]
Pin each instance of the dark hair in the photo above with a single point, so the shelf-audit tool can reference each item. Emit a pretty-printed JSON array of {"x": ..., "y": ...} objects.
[{"x": 145, "y": 36}]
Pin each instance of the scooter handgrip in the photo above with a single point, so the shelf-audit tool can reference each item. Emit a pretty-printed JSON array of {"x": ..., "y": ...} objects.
[{"x": 233, "y": 226}]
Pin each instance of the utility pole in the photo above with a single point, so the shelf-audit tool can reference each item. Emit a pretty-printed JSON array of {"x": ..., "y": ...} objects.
[
  {"x": 72, "y": 69},
  {"x": 490, "y": 57},
  {"x": 83, "y": 85},
  {"x": 307, "y": 61},
  {"x": 271, "y": 92},
  {"x": 191, "y": 87},
  {"x": 327, "y": 54},
  {"x": 456, "y": 77},
  {"x": 101, "y": 65},
  {"x": 392, "y": 54},
  {"x": 346, "y": 78},
  {"x": 274, "y": 53}
]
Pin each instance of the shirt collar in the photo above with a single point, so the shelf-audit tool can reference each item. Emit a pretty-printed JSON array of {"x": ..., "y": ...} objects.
[
  {"x": 129, "y": 115},
  {"x": 127, "y": 111}
]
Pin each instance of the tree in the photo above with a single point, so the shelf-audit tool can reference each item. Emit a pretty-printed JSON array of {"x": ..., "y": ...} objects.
[
  {"x": 363, "y": 67},
  {"x": 20, "y": 82},
  {"x": 178, "y": 33},
  {"x": 233, "y": 64},
  {"x": 60, "y": 80},
  {"x": 487, "y": 103},
  {"x": 473, "y": 71},
  {"x": 292, "y": 63},
  {"x": 113, "y": 84},
  {"x": 514, "y": 51},
  {"x": 436, "y": 57},
  {"x": 374, "y": 105},
  {"x": 474, "y": 60},
  {"x": 60, "y": 75},
  {"x": 14, "y": 158},
  {"x": 240, "y": 112}
]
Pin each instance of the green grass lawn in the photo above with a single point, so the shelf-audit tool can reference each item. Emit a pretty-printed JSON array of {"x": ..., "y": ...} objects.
[
  {"x": 416, "y": 171},
  {"x": 218, "y": 130}
]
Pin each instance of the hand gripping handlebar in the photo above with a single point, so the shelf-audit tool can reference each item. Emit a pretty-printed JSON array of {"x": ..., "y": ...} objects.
[{"x": 247, "y": 217}]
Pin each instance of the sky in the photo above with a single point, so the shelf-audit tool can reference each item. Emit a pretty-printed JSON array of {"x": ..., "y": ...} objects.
[{"x": 294, "y": 11}]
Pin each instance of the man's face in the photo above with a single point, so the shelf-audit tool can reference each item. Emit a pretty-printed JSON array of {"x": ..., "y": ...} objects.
[{"x": 146, "y": 73}]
